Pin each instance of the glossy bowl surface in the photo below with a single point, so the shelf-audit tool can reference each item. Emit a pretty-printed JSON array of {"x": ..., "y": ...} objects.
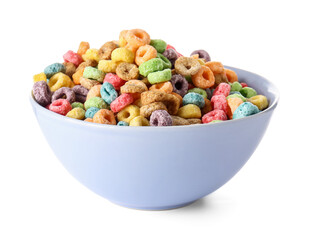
[{"x": 157, "y": 168}]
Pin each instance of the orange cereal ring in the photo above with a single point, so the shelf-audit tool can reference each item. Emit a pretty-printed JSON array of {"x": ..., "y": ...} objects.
[
  {"x": 122, "y": 41},
  {"x": 147, "y": 110},
  {"x": 83, "y": 47},
  {"x": 204, "y": 78},
  {"x": 88, "y": 120},
  {"x": 145, "y": 53},
  {"x": 216, "y": 67},
  {"x": 104, "y": 116},
  {"x": 231, "y": 75},
  {"x": 233, "y": 104},
  {"x": 94, "y": 92},
  {"x": 127, "y": 71},
  {"x": 136, "y": 38},
  {"x": 106, "y": 50},
  {"x": 77, "y": 75},
  {"x": 164, "y": 87},
  {"x": 134, "y": 86}
]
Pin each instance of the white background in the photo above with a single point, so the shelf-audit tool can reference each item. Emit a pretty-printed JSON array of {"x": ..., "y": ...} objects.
[{"x": 268, "y": 199}]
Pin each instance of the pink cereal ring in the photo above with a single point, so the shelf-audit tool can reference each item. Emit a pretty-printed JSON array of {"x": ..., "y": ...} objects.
[
  {"x": 115, "y": 80},
  {"x": 121, "y": 102},
  {"x": 243, "y": 84},
  {"x": 219, "y": 102},
  {"x": 222, "y": 89},
  {"x": 214, "y": 115},
  {"x": 73, "y": 57},
  {"x": 60, "y": 106}
]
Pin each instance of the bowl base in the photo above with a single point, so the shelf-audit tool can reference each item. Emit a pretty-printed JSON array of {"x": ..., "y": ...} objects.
[{"x": 159, "y": 208}]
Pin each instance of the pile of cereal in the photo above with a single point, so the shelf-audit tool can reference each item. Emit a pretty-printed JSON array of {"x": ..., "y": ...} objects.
[{"x": 138, "y": 81}]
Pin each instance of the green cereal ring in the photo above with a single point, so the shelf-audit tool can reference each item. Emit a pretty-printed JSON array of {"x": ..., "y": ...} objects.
[
  {"x": 95, "y": 102},
  {"x": 248, "y": 92},
  {"x": 93, "y": 73},
  {"x": 237, "y": 96},
  {"x": 188, "y": 78},
  {"x": 152, "y": 65},
  {"x": 236, "y": 86},
  {"x": 216, "y": 121},
  {"x": 161, "y": 76},
  {"x": 77, "y": 105},
  {"x": 77, "y": 113},
  {"x": 166, "y": 62},
  {"x": 200, "y": 91},
  {"x": 158, "y": 44}
]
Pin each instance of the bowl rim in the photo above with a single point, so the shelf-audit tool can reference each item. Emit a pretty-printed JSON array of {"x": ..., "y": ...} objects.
[{"x": 54, "y": 115}]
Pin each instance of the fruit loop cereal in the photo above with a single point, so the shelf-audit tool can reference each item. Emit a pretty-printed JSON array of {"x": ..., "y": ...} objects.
[{"x": 140, "y": 81}]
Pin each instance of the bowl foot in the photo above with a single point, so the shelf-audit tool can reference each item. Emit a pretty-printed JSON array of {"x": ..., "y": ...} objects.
[{"x": 157, "y": 208}]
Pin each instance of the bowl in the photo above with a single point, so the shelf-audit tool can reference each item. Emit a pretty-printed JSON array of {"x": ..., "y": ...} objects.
[{"x": 157, "y": 168}]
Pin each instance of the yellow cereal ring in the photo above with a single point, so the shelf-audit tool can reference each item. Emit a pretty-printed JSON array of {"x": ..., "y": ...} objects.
[
  {"x": 77, "y": 76},
  {"x": 145, "y": 53},
  {"x": 94, "y": 92},
  {"x": 139, "y": 121},
  {"x": 189, "y": 111},
  {"x": 128, "y": 113},
  {"x": 83, "y": 47},
  {"x": 60, "y": 80},
  {"x": 122, "y": 55},
  {"x": 91, "y": 54},
  {"x": 77, "y": 113},
  {"x": 233, "y": 104},
  {"x": 39, "y": 77},
  {"x": 260, "y": 101},
  {"x": 163, "y": 87},
  {"x": 107, "y": 66},
  {"x": 122, "y": 41}
]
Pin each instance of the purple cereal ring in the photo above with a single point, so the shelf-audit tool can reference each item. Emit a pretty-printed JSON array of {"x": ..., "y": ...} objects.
[
  {"x": 171, "y": 55},
  {"x": 66, "y": 92},
  {"x": 81, "y": 93},
  {"x": 161, "y": 118},
  {"x": 180, "y": 84},
  {"x": 202, "y": 54},
  {"x": 42, "y": 93}
]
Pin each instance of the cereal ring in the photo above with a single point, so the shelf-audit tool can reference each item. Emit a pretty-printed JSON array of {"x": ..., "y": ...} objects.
[
  {"x": 233, "y": 104},
  {"x": 59, "y": 80},
  {"x": 128, "y": 113},
  {"x": 164, "y": 87},
  {"x": 260, "y": 101},
  {"x": 91, "y": 54},
  {"x": 145, "y": 53},
  {"x": 244, "y": 85},
  {"x": 87, "y": 63},
  {"x": 194, "y": 98},
  {"x": 137, "y": 37},
  {"x": 220, "y": 78},
  {"x": 39, "y": 77},
  {"x": 147, "y": 110},
  {"x": 204, "y": 78},
  {"x": 171, "y": 47},
  {"x": 244, "y": 110},
  {"x": 207, "y": 107},
  {"x": 60, "y": 106},
  {"x": 108, "y": 93},
  {"x": 200, "y": 91},
  {"x": 219, "y": 102},
  {"x": 170, "y": 101},
  {"x": 180, "y": 84},
  {"x": 202, "y": 54},
  {"x": 122, "y": 41},
  {"x": 178, "y": 96},
  {"x": 238, "y": 96},
  {"x": 81, "y": 93},
  {"x": 152, "y": 65},
  {"x": 72, "y": 57},
  {"x": 91, "y": 112},
  {"x": 94, "y": 92},
  {"x": 214, "y": 115},
  {"x": 179, "y": 121},
  {"x": 134, "y": 86},
  {"x": 139, "y": 121},
  {"x": 107, "y": 66},
  {"x": 83, "y": 47},
  {"x": 160, "y": 76},
  {"x": 216, "y": 67},
  {"x": 42, "y": 93},
  {"x": 158, "y": 44},
  {"x": 95, "y": 102},
  {"x": 88, "y": 83},
  {"x": 76, "y": 113},
  {"x": 160, "y": 118},
  {"x": 93, "y": 73},
  {"x": 231, "y": 76},
  {"x": 122, "y": 55},
  {"x": 222, "y": 89},
  {"x": 121, "y": 102},
  {"x": 70, "y": 68},
  {"x": 189, "y": 111},
  {"x": 122, "y": 123},
  {"x": 248, "y": 92},
  {"x": 88, "y": 120},
  {"x": 171, "y": 55},
  {"x": 104, "y": 116},
  {"x": 77, "y": 104},
  {"x": 106, "y": 50},
  {"x": 66, "y": 92},
  {"x": 127, "y": 71},
  {"x": 236, "y": 86},
  {"x": 54, "y": 68},
  {"x": 187, "y": 66},
  {"x": 76, "y": 77},
  {"x": 115, "y": 80},
  {"x": 166, "y": 62},
  {"x": 194, "y": 121},
  {"x": 137, "y": 102}
]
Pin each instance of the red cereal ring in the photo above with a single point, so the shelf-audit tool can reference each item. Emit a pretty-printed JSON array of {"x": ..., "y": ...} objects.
[
  {"x": 115, "y": 80},
  {"x": 243, "y": 84},
  {"x": 60, "y": 106},
  {"x": 121, "y": 102},
  {"x": 73, "y": 57},
  {"x": 214, "y": 115},
  {"x": 222, "y": 89},
  {"x": 219, "y": 102}
]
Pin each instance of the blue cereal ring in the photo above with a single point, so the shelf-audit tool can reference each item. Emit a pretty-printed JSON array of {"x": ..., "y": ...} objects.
[
  {"x": 193, "y": 98},
  {"x": 122, "y": 123},
  {"x": 108, "y": 93},
  {"x": 91, "y": 112},
  {"x": 244, "y": 110},
  {"x": 53, "y": 69}
]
